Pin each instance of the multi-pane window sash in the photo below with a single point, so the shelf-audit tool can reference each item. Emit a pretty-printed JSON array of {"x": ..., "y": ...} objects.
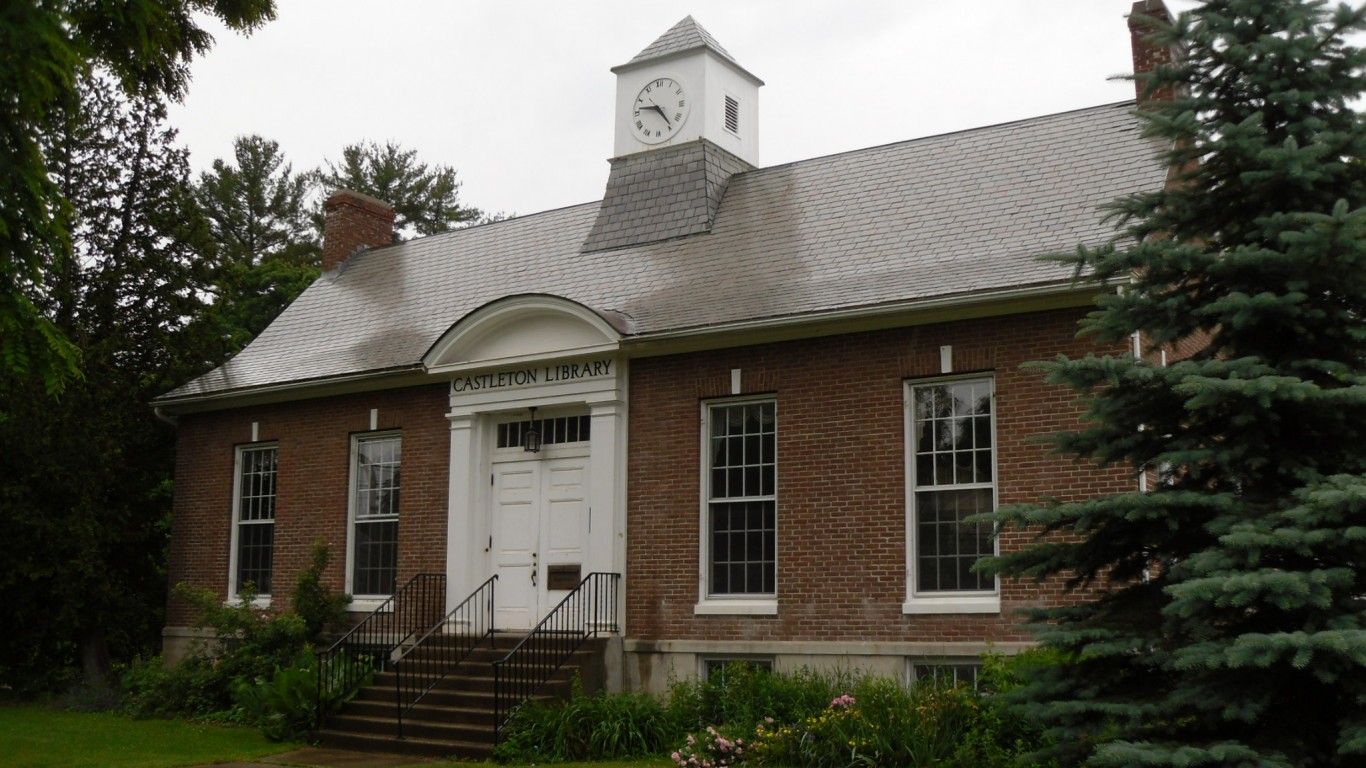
[
  {"x": 255, "y": 518},
  {"x": 946, "y": 673},
  {"x": 375, "y": 532},
  {"x": 954, "y": 468},
  {"x": 742, "y": 498}
]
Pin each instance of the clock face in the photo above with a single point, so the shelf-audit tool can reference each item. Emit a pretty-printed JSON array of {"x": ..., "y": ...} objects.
[{"x": 659, "y": 111}]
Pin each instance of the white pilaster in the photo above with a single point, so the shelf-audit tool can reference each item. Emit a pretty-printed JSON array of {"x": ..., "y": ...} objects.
[{"x": 464, "y": 526}]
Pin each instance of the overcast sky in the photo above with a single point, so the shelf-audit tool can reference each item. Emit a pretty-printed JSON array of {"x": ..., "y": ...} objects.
[{"x": 517, "y": 96}]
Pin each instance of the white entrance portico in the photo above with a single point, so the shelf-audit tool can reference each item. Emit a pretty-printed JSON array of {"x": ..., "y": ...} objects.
[{"x": 540, "y": 520}]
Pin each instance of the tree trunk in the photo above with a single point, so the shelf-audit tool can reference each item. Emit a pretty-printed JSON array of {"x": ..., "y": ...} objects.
[{"x": 95, "y": 665}]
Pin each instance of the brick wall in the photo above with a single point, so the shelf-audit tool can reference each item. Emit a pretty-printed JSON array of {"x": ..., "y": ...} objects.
[
  {"x": 841, "y": 476},
  {"x": 314, "y": 438}
]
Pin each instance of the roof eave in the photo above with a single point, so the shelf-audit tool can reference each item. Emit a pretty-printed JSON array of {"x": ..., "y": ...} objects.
[
  {"x": 938, "y": 309},
  {"x": 674, "y": 55},
  {"x": 240, "y": 397}
]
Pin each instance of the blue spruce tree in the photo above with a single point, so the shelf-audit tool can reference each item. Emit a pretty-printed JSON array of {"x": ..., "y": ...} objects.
[{"x": 1224, "y": 612}]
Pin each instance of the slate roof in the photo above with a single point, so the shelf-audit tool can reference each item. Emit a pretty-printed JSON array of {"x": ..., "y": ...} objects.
[
  {"x": 667, "y": 193},
  {"x": 686, "y": 35},
  {"x": 945, "y": 216}
]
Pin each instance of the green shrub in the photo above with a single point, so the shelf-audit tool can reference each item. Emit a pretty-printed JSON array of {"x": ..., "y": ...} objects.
[
  {"x": 1001, "y": 734},
  {"x": 245, "y": 643},
  {"x": 837, "y": 719},
  {"x": 743, "y": 695},
  {"x": 882, "y": 723},
  {"x": 318, "y": 606},
  {"x": 587, "y": 727},
  {"x": 284, "y": 707},
  {"x": 194, "y": 688},
  {"x": 245, "y": 646}
]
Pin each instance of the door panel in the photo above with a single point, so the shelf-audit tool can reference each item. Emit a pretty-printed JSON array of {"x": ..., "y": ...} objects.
[
  {"x": 540, "y": 510},
  {"x": 516, "y": 524},
  {"x": 566, "y": 509}
]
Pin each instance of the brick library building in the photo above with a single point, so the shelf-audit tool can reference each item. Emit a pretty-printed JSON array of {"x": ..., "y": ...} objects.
[{"x": 727, "y": 413}]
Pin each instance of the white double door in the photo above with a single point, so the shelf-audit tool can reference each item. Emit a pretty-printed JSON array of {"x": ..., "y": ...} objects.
[{"x": 540, "y": 523}]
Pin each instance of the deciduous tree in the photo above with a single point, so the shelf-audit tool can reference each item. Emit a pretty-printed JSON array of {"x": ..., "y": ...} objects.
[
  {"x": 46, "y": 46},
  {"x": 84, "y": 496}
]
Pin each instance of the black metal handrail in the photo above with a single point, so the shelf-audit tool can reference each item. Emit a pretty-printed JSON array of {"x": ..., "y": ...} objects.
[
  {"x": 369, "y": 645},
  {"x": 586, "y": 612},
  {"x": 420, "y": 666}
]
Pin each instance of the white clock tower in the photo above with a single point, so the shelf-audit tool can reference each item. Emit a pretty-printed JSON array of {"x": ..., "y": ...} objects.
[
  {"x": 684, "y": 87},
  {"x": 687, "y": 119}
]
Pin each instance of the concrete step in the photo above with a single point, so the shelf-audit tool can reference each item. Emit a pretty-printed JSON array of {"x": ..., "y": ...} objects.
[
  {"x": 367, "y": 742},
  {"x": 455, "y": 718}
]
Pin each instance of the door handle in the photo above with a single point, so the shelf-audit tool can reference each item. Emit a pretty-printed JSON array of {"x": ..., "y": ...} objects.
[{"x": 535, "y": 567}]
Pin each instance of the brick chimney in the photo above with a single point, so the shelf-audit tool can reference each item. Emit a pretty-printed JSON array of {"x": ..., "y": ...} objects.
[
  {"x": 353, "y": 221},
  {"x": 1148, "y": 56}
]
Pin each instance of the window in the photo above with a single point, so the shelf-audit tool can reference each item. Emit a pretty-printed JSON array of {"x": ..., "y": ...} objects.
[
  {"x": 554, "y": 431},
  {"x": 375, "y": 504},
  {"x": 732, "y": 114},
  {"x": 253, "y": 529},
  {"x": 953, "y": 470},
  {"x": 741, "y": 499},
  {"x": 717, "y": 667},
  {"x": 946, "y": 672}
]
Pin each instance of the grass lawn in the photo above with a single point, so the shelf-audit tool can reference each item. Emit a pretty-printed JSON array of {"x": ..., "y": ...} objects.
[{"x": 36, "y": 736}]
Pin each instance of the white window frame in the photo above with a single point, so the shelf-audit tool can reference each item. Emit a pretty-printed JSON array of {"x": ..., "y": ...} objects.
[
  {"x": 262, "y": 598},
  {"x": 945, "y": 602},
  {"x": 739, "y": 604},
  {"x": 365, "y": 602}
]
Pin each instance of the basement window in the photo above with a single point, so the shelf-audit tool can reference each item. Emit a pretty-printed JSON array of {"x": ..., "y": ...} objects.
[
  {"x": 946, "y": 672},
  {"x": 716, "y": 667}
]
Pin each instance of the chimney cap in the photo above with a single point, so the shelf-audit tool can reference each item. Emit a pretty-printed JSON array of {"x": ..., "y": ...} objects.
[
  {"x": 352, "y": 221},
  {"x": 341, "y": 195}
]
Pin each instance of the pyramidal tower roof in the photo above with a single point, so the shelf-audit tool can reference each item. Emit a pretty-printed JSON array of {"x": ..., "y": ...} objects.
[{"x": 686, "y": 35}]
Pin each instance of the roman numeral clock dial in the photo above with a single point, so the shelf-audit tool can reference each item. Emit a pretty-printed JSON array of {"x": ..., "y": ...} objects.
[{"x": 659, "y": 111}]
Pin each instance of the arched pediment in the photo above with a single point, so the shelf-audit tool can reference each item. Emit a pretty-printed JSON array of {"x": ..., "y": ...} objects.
[{"x": 520, "y": 328}]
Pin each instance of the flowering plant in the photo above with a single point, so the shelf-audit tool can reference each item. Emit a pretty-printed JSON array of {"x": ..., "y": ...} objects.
[{"x": 710, "y": 749}]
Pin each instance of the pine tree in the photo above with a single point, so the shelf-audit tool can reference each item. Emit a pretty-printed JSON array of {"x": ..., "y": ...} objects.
[
  {"x": 426, "y": 199},
  {"x": 265, "y": 252},
  {"x": 1226, "y": 622}
]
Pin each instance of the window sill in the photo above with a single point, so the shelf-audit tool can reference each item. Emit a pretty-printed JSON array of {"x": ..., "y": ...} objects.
[
  {"x": 952, "y": 604},
  {"x": 260, "y": 603},
  {"x": 366, "y": 604},
  {"x": 759, "y": 607}
]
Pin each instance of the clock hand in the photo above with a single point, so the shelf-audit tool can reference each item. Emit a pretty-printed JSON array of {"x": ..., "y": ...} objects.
[{"x": 656, "y": 108}]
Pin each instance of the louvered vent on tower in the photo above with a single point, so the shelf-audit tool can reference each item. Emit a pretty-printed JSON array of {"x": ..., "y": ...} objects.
[{"x": 732, "y": 114}]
